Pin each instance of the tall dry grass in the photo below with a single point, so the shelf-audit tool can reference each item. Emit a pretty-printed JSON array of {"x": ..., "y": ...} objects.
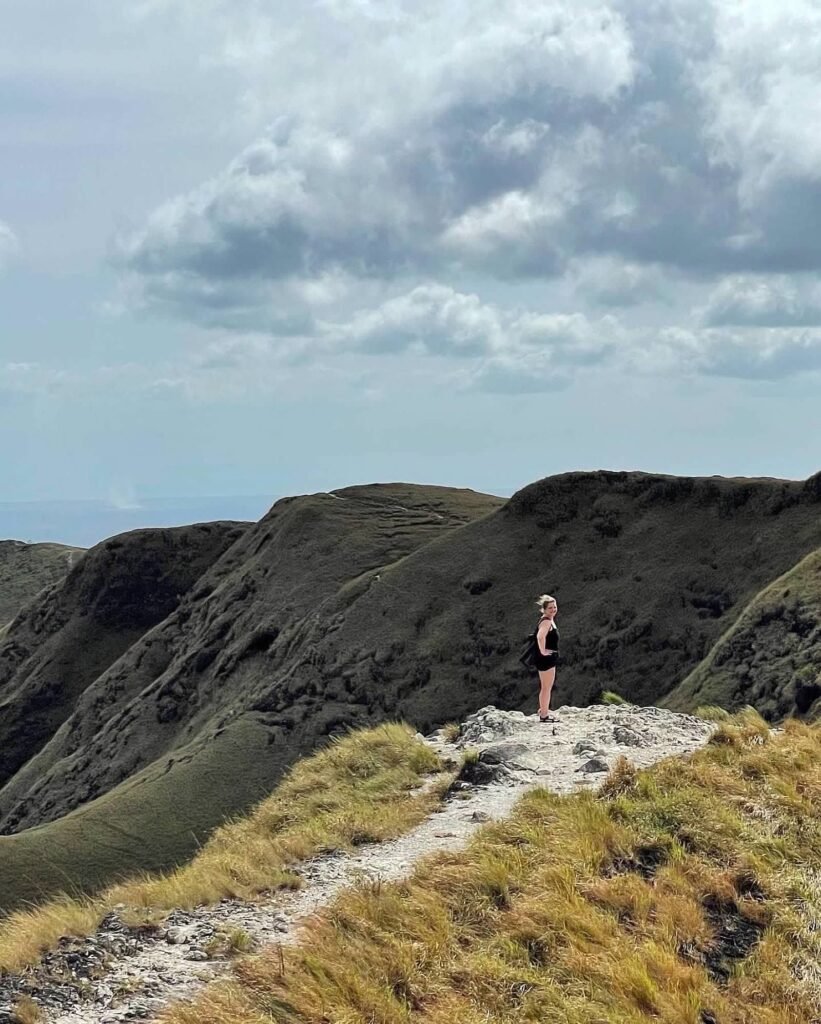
[
  {"x": 687, "y": 893},
  {"x": 358, "y": 789}
]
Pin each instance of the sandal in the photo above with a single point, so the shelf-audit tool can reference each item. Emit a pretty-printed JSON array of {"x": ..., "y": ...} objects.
[{"x": 548, "y": 718}]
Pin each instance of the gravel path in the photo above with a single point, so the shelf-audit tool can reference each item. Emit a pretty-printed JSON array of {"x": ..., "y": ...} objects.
[{"x": 130, "y": 975}]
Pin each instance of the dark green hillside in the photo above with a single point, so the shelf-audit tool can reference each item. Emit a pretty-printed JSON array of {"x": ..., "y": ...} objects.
[
  {"x": 241, "y": 628},
  {"x": 648, "y": 572},
  {"x": 155, "y": 818},
  {"x": 68, "y": 635},
  {"x": 26, "y": 568},
  {"x": 179, "y": 698},
  {"x": 771, "y": 655},
  {"x": 396, "y": 601}
]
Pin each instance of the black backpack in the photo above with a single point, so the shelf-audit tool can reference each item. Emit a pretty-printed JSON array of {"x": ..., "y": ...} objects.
[{"x": 530, "y": 648}]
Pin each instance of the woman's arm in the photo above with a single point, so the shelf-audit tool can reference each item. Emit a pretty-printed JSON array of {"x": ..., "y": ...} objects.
[{"x": 541, "y": 633}]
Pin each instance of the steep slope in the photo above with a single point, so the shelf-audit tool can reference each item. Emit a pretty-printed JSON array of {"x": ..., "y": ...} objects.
[
  {"x": 396, "y": 600},
  {"x": 76, "y": 628},
  {"x": 26, "y": 568},
  {"x": 771, "y": 655},
  {"x": 192, "y": 676}
]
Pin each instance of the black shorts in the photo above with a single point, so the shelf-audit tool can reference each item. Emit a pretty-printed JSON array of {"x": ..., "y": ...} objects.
[{"x": 545, "y": 661}]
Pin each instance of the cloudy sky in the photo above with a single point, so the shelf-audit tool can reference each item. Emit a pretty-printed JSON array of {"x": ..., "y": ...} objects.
[{"x": 250, "y": 246}]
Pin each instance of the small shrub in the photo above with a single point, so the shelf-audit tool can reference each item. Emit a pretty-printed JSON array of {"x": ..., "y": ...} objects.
[
  {"x": 611, "y": 697},
  {"x": 239, "y": 941},
  {"x": 230, "y": 943},
  {"x": 726, "y": 735},
  {"x": 26, "y": 1011},
  {"x": 621, "y": 779}
]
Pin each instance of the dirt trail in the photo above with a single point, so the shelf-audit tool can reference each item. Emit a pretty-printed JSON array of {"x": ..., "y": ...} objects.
[{"x": 131, "y": 975}]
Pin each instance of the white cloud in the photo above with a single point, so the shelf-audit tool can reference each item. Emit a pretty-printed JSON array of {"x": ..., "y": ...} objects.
[
  {"x": 433, "y": 319},
  {"x": 763, "y": 98},
  {"x": 436, "y": 320},
  {"x": 744, "y": 353},
  {"x": 611, "y": 282},
  {"x": 505, "y": 139},
  {"x": 765, "y": 301},
  {"x": 31, "y": 378},
  {"x": 516, "y": 375},
  {"x": 509, "y": 349},
  {"x": 764, "y": 89},
  {"x": 48, "y": 380},
  {"x": 357, "y": 182},
  {"x": 438, "y": 154}
]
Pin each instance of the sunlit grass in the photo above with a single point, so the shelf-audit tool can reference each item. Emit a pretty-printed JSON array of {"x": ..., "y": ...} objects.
[
  {"x": 358, "y": 789},
  {"x": 686, "y": 893}
]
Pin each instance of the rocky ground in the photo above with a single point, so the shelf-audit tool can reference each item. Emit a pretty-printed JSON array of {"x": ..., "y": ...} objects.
[{"x": 122, "y": 973}]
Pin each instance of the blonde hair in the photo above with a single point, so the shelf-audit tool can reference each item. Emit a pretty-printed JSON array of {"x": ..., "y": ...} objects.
[{"x": 543, "y": 600}]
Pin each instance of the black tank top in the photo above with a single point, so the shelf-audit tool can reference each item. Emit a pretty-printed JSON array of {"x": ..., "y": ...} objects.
[{"x": 551, "y": 640}]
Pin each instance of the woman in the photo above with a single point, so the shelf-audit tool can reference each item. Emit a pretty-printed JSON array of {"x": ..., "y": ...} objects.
[{"x": 547, "y": 654}]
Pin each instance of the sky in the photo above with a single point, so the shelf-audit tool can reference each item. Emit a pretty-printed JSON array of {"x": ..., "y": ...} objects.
[{"x": 250, "y": 247}]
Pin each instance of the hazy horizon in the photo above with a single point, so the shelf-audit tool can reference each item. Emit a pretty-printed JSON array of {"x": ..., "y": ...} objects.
[{"x": 85, "y": 522}]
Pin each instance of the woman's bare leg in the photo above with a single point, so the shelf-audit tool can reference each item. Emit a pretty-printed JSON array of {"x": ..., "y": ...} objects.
[{"x": 546, "y": 679}]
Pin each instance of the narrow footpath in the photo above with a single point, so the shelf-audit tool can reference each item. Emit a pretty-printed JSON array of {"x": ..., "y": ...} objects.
[{"x": 124, "y": 974}]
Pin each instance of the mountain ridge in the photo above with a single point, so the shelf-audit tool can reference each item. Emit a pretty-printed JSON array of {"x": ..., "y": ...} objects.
[
  {"x": 25, "y": 569},
  {"x": 409, "y": 600}
]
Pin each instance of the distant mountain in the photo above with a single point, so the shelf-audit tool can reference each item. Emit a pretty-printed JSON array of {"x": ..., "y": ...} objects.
[
  {"x": 770, "y": 656},
  {"x": 348, "y": 608},
  {"x": 26, "y": 568}
]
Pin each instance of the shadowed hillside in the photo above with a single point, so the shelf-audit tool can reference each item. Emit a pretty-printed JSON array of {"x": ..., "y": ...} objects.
[
  {"x": 171, "y": 728},
  {"x": 78, "y": 627},
  {"x": 26, "y": 568},
  {"x": 771, "y": 655},
  {"x": 393, "y": 601}
]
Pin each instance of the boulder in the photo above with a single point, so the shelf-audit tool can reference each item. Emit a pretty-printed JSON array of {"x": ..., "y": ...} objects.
[
  {"x": 626, "y": 736},
  {"x": 489, "y": 724}
]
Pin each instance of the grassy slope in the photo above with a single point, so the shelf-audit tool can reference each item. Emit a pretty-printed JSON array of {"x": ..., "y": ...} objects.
[
  {"x": 26, "y": 568},
  {"x": 155, "y": 818},
  {"x": 357, "y": 790},
  {"x": 771, "y": 655},
  {"x": 684, "y": 894}
]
